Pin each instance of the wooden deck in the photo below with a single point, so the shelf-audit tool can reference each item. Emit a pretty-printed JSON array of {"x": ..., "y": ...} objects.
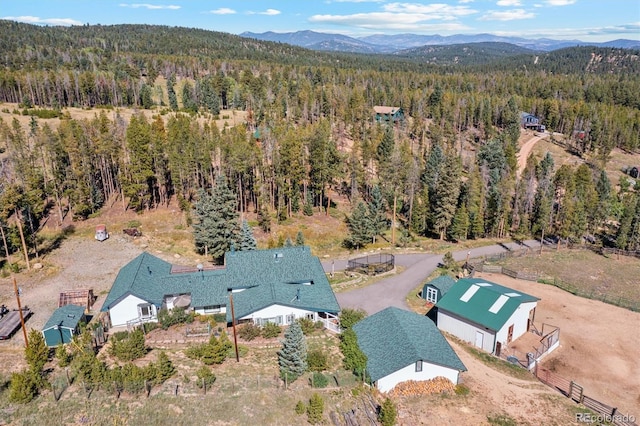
[{"x": 10, "y": 323}]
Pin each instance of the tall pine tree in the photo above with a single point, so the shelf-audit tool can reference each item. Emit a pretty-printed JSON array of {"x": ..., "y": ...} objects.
[
  {"x": 292, "y": 358},
  {"x": 247, "y": 240},
  {"x": 216, "y": 226}
]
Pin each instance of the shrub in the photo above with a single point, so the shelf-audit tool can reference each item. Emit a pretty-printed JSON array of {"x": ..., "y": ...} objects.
[
  {"x": 63, "y": 357},
  {"x": 348, "y": 317},
  {"x": 205, "y": 377},
  {"x": 271, "y": 330},
  {"x": 22, "y": 387},
  {"x": 213, "y": 352},
  {"x": 128, "y": 346},
  {"x": 167, "y": 318},
  {"x": 164, "y": 367},
  {"x": 319, "y": 380},
  {"x": 388, "y": 413},
  {"x": 461, "y": 390},
  {"x": 315, "y": 409},
  {"x": 249, "y": 331},
  {"x": 307, "y": 325},
  {"x": 317, "y": 360},
  {"x": 300, "y": 408}
]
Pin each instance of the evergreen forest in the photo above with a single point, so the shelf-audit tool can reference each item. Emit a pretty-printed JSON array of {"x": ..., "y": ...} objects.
[{"x": 447, "y": 171}]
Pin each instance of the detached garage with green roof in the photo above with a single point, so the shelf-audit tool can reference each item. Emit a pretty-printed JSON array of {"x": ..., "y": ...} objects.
[
  {"x": 485, "y": 314},
  {"x": 402, "y": 345}
]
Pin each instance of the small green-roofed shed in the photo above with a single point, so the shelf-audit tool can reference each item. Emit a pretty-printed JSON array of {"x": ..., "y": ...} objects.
[
  {"x": 63, "y": 325},
  {"x": 435, "y": 289},
  {"x": 483, "y": 302},
  {"x": 394, "y": 338}
]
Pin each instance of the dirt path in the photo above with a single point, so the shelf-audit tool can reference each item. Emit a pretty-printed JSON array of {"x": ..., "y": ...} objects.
[
  {"x": 598, "y": 343},
  {"x": 525, "y": 149}
]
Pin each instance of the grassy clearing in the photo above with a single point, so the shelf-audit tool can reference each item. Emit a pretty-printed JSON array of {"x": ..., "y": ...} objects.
[{"x": 582, "y": 269}]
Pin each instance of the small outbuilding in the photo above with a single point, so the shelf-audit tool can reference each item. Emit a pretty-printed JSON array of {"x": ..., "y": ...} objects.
[
  {"x": 401, "y": 346},
  {"x": 485, "y": 314},
  {"x": 387, "y": 114},
  {"x": 435, "y": 289},
  {"x": 63, "y": 324}
]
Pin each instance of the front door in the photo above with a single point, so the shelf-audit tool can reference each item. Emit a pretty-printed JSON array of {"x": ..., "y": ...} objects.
[
  {"x": 498, "y": 348},
  {"x": 479, "y": 339}
]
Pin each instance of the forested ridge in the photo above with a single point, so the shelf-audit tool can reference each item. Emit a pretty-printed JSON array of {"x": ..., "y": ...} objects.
[{"x": 447, "y": 171}]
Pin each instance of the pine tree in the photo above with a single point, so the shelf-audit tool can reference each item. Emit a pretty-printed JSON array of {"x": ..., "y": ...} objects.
[
  {"x": 377, "y": 212},
  {"x": 315, "y": 409},
  {"x": 388, "y": 413},
  {"x": 354, "y": 359},
  {"x": 359, "y": 225},
  {"x": 445, "y": 196},
  {"x": 37, "y": 353},
  {"x": 292, "y": 358},
  {"x": 165, "y": 368},
  {"x": 247, "y": 240},
  {"x": 216, "y": 226},
  {"x": 460, "y": 224},
  {"x": 299, "y": 239}
]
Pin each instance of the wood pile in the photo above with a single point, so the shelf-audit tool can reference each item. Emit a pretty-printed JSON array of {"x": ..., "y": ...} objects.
[{"x": 424, "y": 387}]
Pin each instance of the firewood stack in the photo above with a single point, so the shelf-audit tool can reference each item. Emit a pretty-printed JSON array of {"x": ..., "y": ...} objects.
[{"x": 424, "y": 387}]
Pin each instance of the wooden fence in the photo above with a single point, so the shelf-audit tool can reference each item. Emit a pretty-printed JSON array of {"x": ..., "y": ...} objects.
[{"x": 575, "y": 392}]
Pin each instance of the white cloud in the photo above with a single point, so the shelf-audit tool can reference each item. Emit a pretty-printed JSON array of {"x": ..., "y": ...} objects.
[
  {"x": 223, "y": 11},
  {"x": 149, "y": 6},
  {"x": 560, "y": 2},
  {"x": 465, "y": 1},
  {"x": 507, "y": 15},
  {"x": 48, "y": 21},
  {"x": 270, "y": 12},
  {"x": 509, "y": 3},
  {"x": 403, "y": 17}
]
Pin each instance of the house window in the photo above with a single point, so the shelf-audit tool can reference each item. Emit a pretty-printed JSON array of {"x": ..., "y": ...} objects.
[
  {"x": 418, "y": 366},
  {"x": 145, "y": 311},
  {"x": 432, "y": 295},
  {"x": 214, "y": 309},
  {"x": 311, "y": 316},
  {"x": 291, "y": 318}
]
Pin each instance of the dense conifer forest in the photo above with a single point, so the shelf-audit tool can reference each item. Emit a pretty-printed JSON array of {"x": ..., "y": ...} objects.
[{"x": 447, "y": 171}]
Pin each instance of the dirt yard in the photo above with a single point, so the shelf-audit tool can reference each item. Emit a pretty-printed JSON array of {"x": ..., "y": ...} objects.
[{"x": 598, "y": 343}]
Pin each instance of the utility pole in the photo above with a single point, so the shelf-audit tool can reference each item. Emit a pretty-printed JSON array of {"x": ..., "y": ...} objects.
[
  {"x": 233, "y": 325},
  {"x": 24, "y": 328}
]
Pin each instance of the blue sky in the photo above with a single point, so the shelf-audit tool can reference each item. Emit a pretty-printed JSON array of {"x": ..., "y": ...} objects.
[{"x": 587, "y": 20}]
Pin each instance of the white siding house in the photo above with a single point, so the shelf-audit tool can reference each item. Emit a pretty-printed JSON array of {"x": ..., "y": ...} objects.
[
  {"x": 132, "y": 309},
  {"x": 484, "y": 314},
  {"x": 401, "y": 346},
  {"x": 278, "y": 285}
]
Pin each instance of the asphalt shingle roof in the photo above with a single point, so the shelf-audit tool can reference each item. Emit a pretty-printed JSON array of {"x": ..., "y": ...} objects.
[
  {"x": 289, "y": 276},
  {"x": 395, "y": 338},
  {"x": 442, "y": 283},
  {"x": 487, "y": 303},
  {"x": 67, "y": 316}
]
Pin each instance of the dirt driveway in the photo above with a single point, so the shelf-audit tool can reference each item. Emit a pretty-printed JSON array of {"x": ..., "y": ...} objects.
[
  {"x": 598, "y": 343},
  {"x": 81, "y": 263}
]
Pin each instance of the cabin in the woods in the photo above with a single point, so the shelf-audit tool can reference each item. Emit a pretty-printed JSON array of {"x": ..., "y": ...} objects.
[
  {"x": 531, "y": 122},
  {"x": 386, "y": 114}
]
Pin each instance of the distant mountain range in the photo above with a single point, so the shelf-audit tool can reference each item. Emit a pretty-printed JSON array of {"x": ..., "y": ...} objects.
[{"x": 381, "y": 43}]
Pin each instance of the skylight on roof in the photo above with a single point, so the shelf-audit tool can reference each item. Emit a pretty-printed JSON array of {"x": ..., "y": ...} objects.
[
  {"x": 498, "y": 304},
  {"x": 512, "y": 294},
  {"x": 484, "y": 284},
  {"x": 469, "y": 293}
]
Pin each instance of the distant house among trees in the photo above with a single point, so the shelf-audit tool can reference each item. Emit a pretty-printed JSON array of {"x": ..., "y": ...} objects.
[
  {"x": 531, "y": 122},
  {"x": 386, "y": 114}
]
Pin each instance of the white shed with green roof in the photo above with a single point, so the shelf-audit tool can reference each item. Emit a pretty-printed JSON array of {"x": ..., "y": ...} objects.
[
  {"x": 485, "y": 314},
  {"x": 402, "y": 345}
]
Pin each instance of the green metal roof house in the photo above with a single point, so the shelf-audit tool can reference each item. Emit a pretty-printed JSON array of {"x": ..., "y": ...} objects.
[
  {"x": 485, "y": 314},
  {"x": 277, "y": 285},
  {"x": 436, "y": 288},
  {"x": 402, "y": 345},
  {"x": 63, "y": 325},
  {"x": 386, "y": 114}
]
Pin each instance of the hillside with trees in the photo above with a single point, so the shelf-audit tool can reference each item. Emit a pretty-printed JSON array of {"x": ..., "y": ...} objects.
[{"x": 448, "y": 171}]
